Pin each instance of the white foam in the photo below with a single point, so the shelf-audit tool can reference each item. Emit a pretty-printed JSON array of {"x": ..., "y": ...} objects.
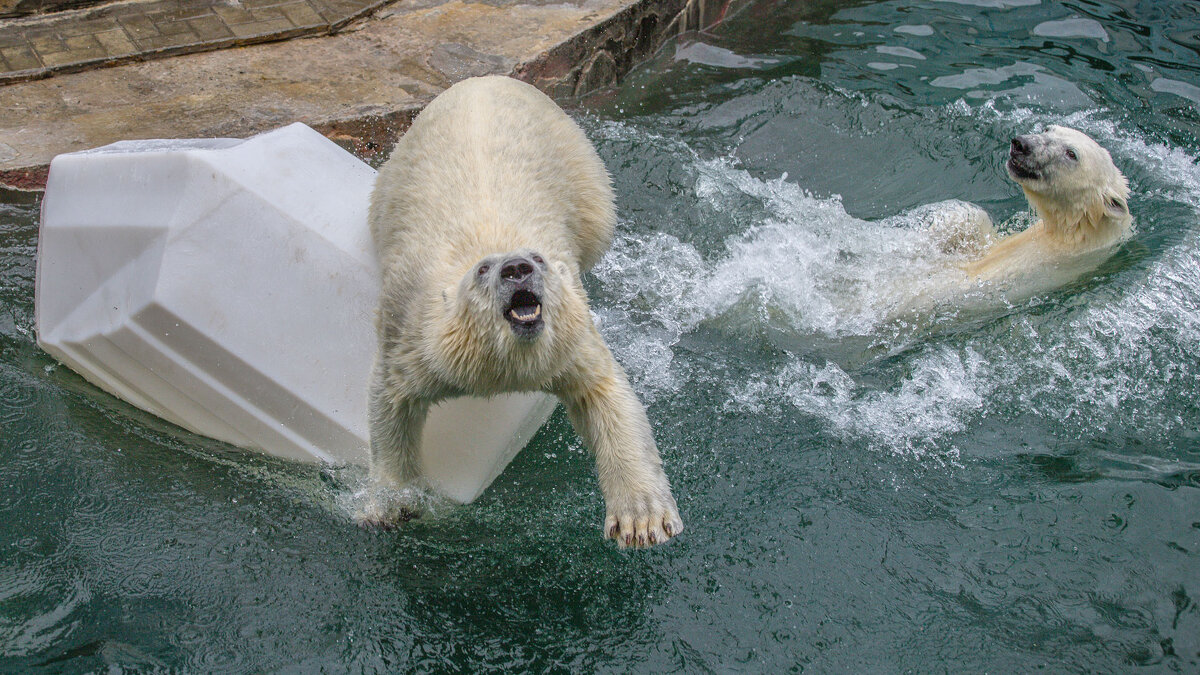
[
  {"x": 648, "y": 284},
  {"x": 804, "y": 267},
  {"x": 1118, "y": 359}
]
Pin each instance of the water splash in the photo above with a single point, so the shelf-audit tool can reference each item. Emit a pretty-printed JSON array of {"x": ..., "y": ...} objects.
[
  {"x": 936, "y": 400},
  {"x": 1087, "y": 360}
]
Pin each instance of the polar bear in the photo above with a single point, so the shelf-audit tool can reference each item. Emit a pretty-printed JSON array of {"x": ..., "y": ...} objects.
[
  {"x": 1081, "y": 200},
  {"x": 485, "y": 217}
]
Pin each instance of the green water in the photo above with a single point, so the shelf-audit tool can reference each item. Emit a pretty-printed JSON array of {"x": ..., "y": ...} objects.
[{"x": 1006, "y": 488}]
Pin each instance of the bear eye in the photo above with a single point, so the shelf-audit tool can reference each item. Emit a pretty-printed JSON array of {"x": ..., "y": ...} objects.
[
  {"x": 1071, "y": 155},
  {"x": 538, "y": 259},
  {"x": 483, "y": 269}
]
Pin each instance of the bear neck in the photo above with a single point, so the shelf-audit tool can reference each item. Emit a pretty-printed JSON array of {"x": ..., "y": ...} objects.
[{"x": 1078, "y": 228}]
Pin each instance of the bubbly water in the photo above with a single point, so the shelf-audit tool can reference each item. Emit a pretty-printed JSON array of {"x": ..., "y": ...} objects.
[{"x": 998, "y": 483}]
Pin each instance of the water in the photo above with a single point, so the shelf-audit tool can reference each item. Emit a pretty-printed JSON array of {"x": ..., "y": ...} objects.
[{"x": 993, "y": 486}]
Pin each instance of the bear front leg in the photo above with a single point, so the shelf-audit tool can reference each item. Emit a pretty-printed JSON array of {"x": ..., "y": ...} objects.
[
  {"x": 395, "y": 422},
  {"x": 640, "y": 510}
]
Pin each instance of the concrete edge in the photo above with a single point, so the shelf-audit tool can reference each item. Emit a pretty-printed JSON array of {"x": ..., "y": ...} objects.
[
  {"x": 592, "y": 59},
  {"x": 314, "y": 30}
]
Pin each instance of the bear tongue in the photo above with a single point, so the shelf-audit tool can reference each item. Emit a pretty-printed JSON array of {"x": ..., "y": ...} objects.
[{"x": 525, "y": 307}]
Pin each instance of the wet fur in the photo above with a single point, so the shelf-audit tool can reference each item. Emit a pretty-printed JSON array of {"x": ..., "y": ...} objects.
[
  {"x": 493, "y": 168},
  {"x": 1082, "y": 209}
]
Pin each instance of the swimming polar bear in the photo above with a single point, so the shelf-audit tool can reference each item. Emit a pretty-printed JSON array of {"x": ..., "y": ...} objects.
[
  {"x": 484, "y": 219},
  {"x": 1081, "y": 199}
]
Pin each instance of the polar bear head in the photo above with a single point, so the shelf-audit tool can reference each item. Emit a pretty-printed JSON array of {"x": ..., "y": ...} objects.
[
  {"x": 510, "y": 321},
  {"x": 519, "y": 300},
  {"x": 1074, "y": 185},
  {"x": 511, "y": 287}
]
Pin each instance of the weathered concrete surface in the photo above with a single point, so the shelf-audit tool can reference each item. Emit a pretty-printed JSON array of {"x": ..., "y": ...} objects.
[
  {"x": 360, "y": 87},
  {"x": 140, "y": 30},
  {"x": 26, "y": 7}
]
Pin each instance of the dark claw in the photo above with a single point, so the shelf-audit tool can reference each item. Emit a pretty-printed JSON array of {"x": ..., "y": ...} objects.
[
  {"x": 376, "y": 525},
  {"x": 670, "y": 530},
  {"x": 614, "y": 531},
  {"x": 653, "y": 539}
]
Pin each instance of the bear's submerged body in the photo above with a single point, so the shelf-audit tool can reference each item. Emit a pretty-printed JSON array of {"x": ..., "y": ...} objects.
[
  {"x": 1080, "y": 198},
  {"x": 484, "y": 218}
]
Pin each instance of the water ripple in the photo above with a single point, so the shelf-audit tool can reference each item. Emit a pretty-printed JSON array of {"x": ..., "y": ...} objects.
[{"x": 50, "y": 612}]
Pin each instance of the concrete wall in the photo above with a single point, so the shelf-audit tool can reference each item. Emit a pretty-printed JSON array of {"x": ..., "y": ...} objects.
[
  {"x": 11, "y": 8},
  {"x": 360, "y": 87}
]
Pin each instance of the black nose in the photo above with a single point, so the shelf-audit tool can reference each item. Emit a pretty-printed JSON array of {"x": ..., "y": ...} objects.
[
  {"x": 1020, "y": 146},
  {"x": 516, "y": 270}
]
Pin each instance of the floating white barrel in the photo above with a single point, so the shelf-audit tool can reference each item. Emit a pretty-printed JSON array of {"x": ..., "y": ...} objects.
[{"x": 229, "y": 287}]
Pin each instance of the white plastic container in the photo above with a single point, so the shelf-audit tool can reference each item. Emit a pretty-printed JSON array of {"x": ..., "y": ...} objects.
[{"x": 229, "y": 286}]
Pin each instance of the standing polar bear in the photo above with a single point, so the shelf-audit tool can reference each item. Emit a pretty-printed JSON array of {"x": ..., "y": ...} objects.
[
  {"x": 488, "y": 212},
  {"x": 1081, "y": 200}
]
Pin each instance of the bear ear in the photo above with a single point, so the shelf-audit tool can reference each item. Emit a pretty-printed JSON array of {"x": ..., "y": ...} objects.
[{"x": 1116, "y": 205}]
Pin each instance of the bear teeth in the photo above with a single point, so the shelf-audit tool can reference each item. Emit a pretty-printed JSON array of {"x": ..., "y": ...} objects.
[{"x": 537, "y": 311}]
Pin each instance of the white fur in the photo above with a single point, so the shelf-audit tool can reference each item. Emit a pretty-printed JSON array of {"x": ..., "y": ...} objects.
[
  {"x": 492, "y": 168},
  {"x": 1082, "y": 207}
]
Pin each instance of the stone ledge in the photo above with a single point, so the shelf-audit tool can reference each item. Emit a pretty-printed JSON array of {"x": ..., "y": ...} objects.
[
  {"x": 21, "y": 8},
  {"x": 360, "y": 87},
  {"x": 142, "y": 30}
]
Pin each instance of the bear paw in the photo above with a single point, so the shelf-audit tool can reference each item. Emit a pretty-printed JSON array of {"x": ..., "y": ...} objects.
[
  {"x": 652, "y": 521},
  {"x": 388, "y": 509},
  {"x": 373, "y": 516}
]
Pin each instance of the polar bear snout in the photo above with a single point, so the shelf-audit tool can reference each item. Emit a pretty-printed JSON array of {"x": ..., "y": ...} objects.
[
  {"x": 1020, "y": 146},
  {"x": 520, "y": 285},
  {"x": 516, "y": 270},
  {"x": 1022, "y": 160}
]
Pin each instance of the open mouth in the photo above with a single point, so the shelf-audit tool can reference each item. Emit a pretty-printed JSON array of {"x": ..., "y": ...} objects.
[
  {"x": 1018, "y": 170},
  {"x": 524, "y": 313}
]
